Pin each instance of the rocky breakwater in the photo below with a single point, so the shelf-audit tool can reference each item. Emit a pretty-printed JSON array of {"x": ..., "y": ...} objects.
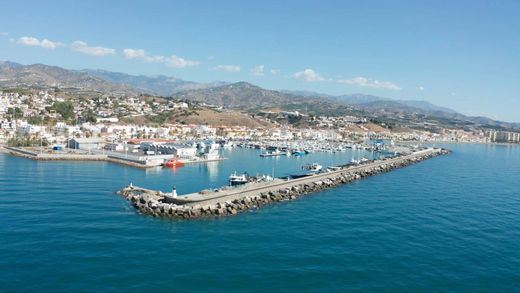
[{"x": 158, "y": 204}]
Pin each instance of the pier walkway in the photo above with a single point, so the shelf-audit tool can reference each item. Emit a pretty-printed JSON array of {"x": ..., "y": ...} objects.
[{"x": 255, "y": 189}]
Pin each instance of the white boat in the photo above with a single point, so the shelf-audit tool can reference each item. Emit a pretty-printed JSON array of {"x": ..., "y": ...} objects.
[
  {"x": 273, "y": 154},
  {"x": 314, "y": 167},
  {"x": 235, "y": 179}
]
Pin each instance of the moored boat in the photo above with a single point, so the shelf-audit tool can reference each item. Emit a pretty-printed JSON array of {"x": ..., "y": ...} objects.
[
  {"x": 314, "y": 167},
  {"x": 173, "y": 163},
  {"x": 235, "y": 179}
]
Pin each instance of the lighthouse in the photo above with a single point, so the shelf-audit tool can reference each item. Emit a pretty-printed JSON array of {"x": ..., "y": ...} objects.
[{"x": 174, "y": 192}]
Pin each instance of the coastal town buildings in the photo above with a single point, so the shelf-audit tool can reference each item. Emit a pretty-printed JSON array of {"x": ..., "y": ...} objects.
[{"x": 102, "y": 122}]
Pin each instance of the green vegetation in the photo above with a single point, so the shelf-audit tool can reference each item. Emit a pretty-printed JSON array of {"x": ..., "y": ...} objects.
[
  {"x": 26, "y": 141},
  {"x": 65, "y": 109},
  {"x": 16, "y": 111},
  {"x": 90, "y": 116},
  {"x": 35, "y": 120},
  {"x": 21, "y": 91}
]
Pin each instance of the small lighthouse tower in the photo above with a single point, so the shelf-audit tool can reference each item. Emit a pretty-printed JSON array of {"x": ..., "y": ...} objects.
[{"x": 174, "y": 192}]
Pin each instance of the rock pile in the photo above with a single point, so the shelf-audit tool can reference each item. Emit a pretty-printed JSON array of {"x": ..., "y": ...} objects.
[{"x": 151, "y": 203}]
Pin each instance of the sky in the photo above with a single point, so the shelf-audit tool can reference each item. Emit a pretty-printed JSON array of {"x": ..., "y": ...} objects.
[{"x": 464, "y": 55}]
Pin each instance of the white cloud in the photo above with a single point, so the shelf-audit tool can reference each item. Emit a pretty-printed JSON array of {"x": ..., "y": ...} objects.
[
  {"x": 172, "y": 61},
  {"x": 226, "y": 68},
  {"x": 308, "y": 75},
  {"x": 257, "y": 70},
  {"x": 373, "y": 83},
  {"x": 82, "y": 47},
  {"x": 275, "y": 71},
  {"x": 34, "y": 42},
  {"x": 132, "y": 53},
  {"x": 421, "y": 88}
]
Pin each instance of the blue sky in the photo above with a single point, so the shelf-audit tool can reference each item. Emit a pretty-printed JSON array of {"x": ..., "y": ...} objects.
[{"x": 459, "y": 54}]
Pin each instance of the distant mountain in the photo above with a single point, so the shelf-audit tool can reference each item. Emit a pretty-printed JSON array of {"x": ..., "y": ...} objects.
[
  {"x": 240, "y": 95},
  {"x": 377, "y": 103},
  {"x": 158, "y": 85},
  {"x": 356, "y": 99},
  {"x": 425, "y": 105},
  {"x": 309, "y": 94},
  {"x": 40, "y": 75}
]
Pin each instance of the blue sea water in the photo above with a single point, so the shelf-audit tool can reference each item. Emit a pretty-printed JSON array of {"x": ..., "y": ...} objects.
[{"x": 447, "y": 224}]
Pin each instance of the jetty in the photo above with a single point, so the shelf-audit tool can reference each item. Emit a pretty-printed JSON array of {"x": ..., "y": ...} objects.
[
  {"x": 143, "y": 162},
  {"x": 224, "y": 202}
]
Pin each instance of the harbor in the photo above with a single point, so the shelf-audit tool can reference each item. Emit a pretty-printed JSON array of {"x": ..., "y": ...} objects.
[
  {"x": 147, "y": 153},
  {"x": 140, "y": 155},
  {"x": 230, "y": 201}
]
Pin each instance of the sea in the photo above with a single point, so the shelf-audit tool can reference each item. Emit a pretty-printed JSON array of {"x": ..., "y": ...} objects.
[{"x": 451, "y": 223}]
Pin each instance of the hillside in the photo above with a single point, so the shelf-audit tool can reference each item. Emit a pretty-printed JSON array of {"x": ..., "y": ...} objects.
[
  {"x": 40, "y": 75},
  {"x": 202, "y": 115},
  {"x": 158, "y": 85},
  {"x": 241, "y": 95}
]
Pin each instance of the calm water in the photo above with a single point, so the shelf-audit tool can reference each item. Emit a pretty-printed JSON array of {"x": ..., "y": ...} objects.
[{"x": 448, "y": 224}]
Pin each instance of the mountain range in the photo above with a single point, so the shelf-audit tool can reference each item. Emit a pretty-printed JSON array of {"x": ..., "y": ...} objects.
[
  {"x": 160, "y": 85},
  {"x": 239, "y": 95}
]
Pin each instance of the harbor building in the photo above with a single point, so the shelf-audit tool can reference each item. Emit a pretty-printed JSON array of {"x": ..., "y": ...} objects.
[{"x": 85, "y": 143}]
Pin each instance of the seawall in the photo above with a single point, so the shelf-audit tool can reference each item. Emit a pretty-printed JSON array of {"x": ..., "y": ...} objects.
[
  {"x": 231, "y": 202},
  {"x": 23, "y": 153}
]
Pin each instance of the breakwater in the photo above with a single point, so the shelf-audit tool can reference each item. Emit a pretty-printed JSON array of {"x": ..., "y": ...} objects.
[{"x": 231, "y": 202}]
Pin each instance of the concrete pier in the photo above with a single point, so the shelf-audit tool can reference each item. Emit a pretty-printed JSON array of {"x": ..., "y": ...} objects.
[
  {"x": 97, "y": 156},
  {"x": 233, "y": 201}
]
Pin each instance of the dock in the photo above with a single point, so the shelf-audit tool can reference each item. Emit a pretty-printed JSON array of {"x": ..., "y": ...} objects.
[
  {"x": 98, "y": 156},
  {"x": 235, "y": 200}
]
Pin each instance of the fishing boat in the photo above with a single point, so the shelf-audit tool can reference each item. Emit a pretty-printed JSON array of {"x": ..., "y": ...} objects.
[
  {"x": 235, "y": 179},
  {"x": 173, "y": 163}
]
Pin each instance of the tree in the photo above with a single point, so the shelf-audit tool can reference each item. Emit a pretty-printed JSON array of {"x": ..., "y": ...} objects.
[
  {"x": 65, "y": 109},
  {"x": 90, "y": 116},
  {"x": 16, "y": 111}
]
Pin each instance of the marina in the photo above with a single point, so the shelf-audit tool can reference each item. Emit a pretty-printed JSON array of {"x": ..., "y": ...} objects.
[
  {"x": 152, "y": 154},
  {"x": 230, "y": 201}
]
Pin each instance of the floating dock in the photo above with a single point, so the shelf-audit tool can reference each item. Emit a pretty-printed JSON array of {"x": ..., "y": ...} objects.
[{"x": 235, "y": 200}]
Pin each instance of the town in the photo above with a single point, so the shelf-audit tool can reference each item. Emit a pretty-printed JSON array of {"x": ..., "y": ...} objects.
[{"x": 53, "y": 122}]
